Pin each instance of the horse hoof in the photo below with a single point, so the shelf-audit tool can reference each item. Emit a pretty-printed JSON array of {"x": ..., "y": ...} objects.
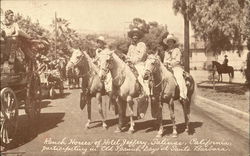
[
  {"x": 174, "y": 135},
  {"x": 104, "y": 126},
  {"x": 118, "y": 130},
  {"x": 87, "y": 127},
  {"x": 131, "y": 131},
  {"x": 158, "y": 135},
  {"x": 186, "y": 130}
]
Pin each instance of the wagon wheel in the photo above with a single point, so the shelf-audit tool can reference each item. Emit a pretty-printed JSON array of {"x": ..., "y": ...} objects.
[
  {"x": 33, "y": 99},
  {"x": 9, "y": 115}
]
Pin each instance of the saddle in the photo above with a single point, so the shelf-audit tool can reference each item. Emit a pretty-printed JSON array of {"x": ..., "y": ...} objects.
[{"x": 187, "y": 77}]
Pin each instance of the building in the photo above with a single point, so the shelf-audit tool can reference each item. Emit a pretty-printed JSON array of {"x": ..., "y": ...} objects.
[{"x": 199, "y": 57}]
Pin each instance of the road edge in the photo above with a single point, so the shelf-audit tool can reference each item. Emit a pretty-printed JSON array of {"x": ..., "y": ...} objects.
[{"x": 233, "y": 111}]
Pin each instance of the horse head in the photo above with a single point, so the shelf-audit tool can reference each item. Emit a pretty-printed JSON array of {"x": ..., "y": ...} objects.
[
  {"x": 151, "y": 65},
  {"x": 74, "y": 60},
  {"x": 106, "y": 64}
]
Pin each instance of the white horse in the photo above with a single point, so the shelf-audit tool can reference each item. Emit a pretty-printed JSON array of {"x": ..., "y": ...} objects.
[
  {"x": 125, "y": 85},
  {"x": 92, "y": 86}
]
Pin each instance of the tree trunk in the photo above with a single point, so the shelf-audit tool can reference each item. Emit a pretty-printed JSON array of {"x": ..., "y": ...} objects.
[{"x": 186, "y": 44}]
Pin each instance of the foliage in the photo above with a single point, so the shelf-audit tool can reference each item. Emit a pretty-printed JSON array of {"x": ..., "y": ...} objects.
[
  {"x": 33, "y": 29},
  {"x": 220, "y": 23}
]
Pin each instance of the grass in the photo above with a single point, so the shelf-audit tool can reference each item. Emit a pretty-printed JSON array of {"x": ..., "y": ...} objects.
[{"x": 233, "y": 95}]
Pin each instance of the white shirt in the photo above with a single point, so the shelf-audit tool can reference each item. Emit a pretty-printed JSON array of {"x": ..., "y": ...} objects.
[
  {"x": 173, "y": 57},
  {"x": 137, "y": 53}
]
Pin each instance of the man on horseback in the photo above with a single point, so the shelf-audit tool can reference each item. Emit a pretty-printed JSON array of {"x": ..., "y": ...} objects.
[
  {"x": 102, "y": 49},
  {"x": 137, "y": 55},
  {"x": 225, "y": 62},
  {"x": 172, "y": 60}
]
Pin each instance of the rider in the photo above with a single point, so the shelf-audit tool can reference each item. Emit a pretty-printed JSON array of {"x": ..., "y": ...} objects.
[
  {"x": 136, "y": 56},
  {"x": 172, "y": 60},
  {"x": 225, "y": 62},
  {"x": 137, "y": 53},
  {"x": 102, "y": 48},
  {"x": 137, "y": 50}
]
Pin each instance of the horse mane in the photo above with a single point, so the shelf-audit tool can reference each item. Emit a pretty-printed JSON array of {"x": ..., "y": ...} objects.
[
  {"x": 92, "y": 66},
  {"x": 117, "y": 58}
]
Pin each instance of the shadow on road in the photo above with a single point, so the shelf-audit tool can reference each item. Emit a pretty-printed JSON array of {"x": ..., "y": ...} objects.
[
  {"x": 45, "y": 104},
  {"x": 149, "y": 125},
  {"x": 25, "y": 132},
  {"x": 181, "y": 128}
]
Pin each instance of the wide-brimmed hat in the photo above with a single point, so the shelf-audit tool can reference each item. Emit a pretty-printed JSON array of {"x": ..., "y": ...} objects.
[
  {"x": 170, "y": 37},
  {"x": 225, "y": 56},
  {"x": 135, "y": 32},
  {"x": 101, "y": 39}
]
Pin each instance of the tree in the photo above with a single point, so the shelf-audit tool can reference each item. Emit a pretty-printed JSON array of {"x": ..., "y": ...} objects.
[
  {"x": 219, "y": 23},
  {"x": 64, "y": 36},
  {"x": 153, "y": 35},
  {"x": 185, "y": 7}
]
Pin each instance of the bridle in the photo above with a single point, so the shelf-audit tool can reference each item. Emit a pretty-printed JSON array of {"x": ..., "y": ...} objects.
[
  {"x": 151, "y": 74},
  {"x": 107, "y": 69}
]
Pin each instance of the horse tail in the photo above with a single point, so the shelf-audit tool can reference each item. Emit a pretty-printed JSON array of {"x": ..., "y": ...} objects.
[{"x": 193, "y": 94}]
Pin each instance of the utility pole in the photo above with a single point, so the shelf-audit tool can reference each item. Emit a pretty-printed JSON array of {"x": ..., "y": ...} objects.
[{"x": 186, "y": 40}]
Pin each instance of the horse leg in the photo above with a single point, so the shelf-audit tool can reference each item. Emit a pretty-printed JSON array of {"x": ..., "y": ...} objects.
[
  {"x": 186, "y": 114},
  {"x": 131, "y": 113},
  {"x": 121, "y": 115},
  {"x": 221, "y": 78},
  {"x": 159, "y": 119},
  {"x": 99, "y": 102},
  {"x": 88, "y": 101},
  {"x": 172, "y": 116},
  {"x": 230, "y": 78}
]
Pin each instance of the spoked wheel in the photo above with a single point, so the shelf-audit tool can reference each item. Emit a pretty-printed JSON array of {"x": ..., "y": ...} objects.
[
  {"x": 33, "y": 99},
  {"x": 8, "y": 116}
]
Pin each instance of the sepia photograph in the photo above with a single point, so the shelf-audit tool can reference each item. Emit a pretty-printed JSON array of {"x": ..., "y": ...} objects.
[{"x": 125, "y": 77}]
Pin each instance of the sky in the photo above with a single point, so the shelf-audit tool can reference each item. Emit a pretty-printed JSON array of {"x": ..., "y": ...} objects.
[{"x": 99, "y": 16}]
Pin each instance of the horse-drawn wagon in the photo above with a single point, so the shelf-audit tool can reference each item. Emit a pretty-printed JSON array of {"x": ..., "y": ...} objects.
[
  {"x": 51, "y": 80},
  {"x": 18, "y": 88}
]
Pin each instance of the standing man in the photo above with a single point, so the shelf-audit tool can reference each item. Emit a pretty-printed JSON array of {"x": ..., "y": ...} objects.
[{"x": 172, "y": 60}]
